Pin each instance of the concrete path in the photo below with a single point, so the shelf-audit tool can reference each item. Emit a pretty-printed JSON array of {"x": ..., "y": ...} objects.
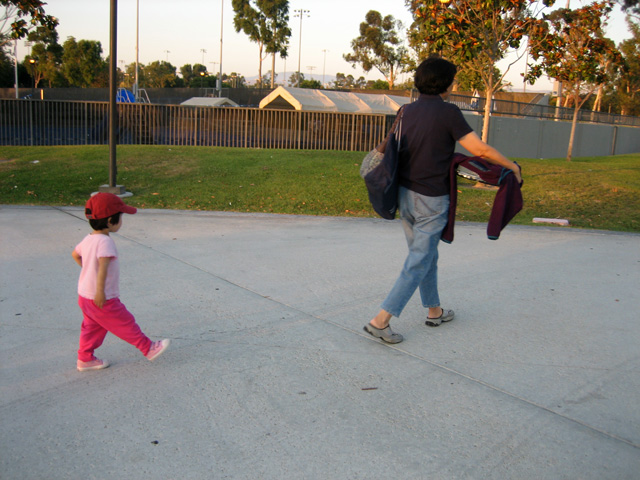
[{"x": 270, "y": 376}]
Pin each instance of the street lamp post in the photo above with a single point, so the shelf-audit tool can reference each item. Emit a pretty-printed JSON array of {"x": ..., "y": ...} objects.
[
  {"x": 300, "y": 13},
  {"x": 32, "y": 62}
]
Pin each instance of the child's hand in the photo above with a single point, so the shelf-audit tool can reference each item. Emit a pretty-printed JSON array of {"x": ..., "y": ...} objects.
[{"x": 99, "y": 299}]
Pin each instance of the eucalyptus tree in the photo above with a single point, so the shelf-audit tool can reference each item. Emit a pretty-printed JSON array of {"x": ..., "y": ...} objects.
[
  {"x": 379, "y": 46},
  {"x": 265, "y": 22}
]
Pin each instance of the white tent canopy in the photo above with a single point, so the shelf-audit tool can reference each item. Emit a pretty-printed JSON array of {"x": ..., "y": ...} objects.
[
  {"x": 209, "y": 102},
  {"x": 331, "y": 101}
]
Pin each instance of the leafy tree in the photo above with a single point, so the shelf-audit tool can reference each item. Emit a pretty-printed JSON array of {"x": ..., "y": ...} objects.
[
  {"x": 233, "y": 80},
  {"x": 310, "y": 83},
  {"x": 265, "y": 23},
  {"x": 378, "y": 46},
  {"x": 474, "y": 33},
  {"x": 377, "y": 85},
  {"x": 160, "y": 74},
  {"x": 631, "y": 7},
  {"x": 187, "y": 74},
  {"x": 6, "y": 70},
  {"x": 569, "y": 45},
  {"x": 293, "y": 79},
  {"x": 82, "y": 63},
  {"x": 130, "y": 75},
  {"x": 47, "y": 54},
  {"x": 277, "y": 13},
  {"x": 18, "y": 17},
  {"x": 348, "y": 81},
  {"x": 628, "y": 82}
]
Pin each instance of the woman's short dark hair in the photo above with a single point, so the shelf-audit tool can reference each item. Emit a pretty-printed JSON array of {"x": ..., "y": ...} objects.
[
  {"x": 102, "y": 223},
  {"x": 434, "y": 76}
]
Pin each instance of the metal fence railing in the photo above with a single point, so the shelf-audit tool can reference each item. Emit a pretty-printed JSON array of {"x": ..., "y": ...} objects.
[
  {"x": 43, "y": 122},
  {"x": 55, "y": 122},
  {"x": 547, "y": 112}
]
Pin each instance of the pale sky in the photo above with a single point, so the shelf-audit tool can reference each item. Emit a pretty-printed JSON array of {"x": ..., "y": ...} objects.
[{"x": 178, "y": 31}]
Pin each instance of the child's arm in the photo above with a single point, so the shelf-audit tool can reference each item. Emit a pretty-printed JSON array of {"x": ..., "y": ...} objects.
[
  {"x": 76, "y": 256},
  {"x": 103, "y": 266}
]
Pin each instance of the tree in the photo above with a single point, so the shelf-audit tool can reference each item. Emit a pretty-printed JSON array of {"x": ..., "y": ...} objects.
[
  {"x": 82, "y": 63},
  {"x": 160, "y": 74},
  {"x": 313, "y": 83},
  {"x": 18, "y": 17},
  {"x": 47, "y": 54},
  {"x": 265, "y": 24},
  {"x": 277, "y": 13},
  {"x": 474, "y": 33},
  {"x": 631, "y": 7},
  {"x": 293, "y": 79},
  {"x": 187, "y": 74},
  {"x": 234, "y": 80},
  {"x": 347, "y": 81},
  {"x": 627, "y": 84},
  {"x": 378, "y": 46},
  {"x": 377, "y": 85},
  {"x": 569, "y": 45}
]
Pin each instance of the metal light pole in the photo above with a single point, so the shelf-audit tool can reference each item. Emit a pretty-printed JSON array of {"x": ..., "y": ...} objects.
[
  {"x": 113, "y": 187},
  {"x": 136, "y": 85},
  {"x": 324, "y": 64},
  {"x": 15, "y": 64},
  {"x": 221, "y": 24},
  {"x": 300, "y": 13}
]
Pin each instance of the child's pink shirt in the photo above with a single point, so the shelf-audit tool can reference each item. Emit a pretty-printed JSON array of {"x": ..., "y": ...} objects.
[{"x": 91, "y": 249}]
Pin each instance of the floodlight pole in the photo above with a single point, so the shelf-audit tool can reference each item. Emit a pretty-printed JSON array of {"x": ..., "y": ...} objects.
[{"x": 300, "y": 13}]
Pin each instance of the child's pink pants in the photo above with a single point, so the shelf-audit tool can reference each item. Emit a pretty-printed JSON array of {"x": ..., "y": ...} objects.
[{"x": 112, "y": 317}]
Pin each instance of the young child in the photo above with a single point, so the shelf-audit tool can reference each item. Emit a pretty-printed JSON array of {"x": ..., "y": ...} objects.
[{"x": 98, "y": 286}]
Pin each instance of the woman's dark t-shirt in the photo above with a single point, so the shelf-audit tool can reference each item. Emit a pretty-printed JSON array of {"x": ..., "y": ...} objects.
[{"x": 430, "y": 129}]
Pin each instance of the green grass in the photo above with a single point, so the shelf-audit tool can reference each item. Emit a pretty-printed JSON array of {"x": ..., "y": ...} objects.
[{"x": 598, "y": 192}]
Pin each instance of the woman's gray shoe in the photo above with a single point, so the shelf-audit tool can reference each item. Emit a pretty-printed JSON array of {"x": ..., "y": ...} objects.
[
  {"x": 447, "y": 316},
  {"x": 385, "y": 334}
]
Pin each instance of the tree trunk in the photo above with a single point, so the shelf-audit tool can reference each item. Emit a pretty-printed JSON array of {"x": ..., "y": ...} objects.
[
  {"x": 487, "y": 115},
  {"x": 573, "y": 131},
  {"x": 597, "y": 104},
  {"x": 260, "y": 69}
]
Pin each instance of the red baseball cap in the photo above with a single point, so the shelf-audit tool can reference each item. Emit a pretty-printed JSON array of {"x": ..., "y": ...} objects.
[{"x": 103, "y": 205}]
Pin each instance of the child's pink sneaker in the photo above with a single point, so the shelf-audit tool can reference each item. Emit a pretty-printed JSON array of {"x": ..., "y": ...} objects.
[
  {"x": 95, "y": 364},
  {"x": 157, "y": 348}
]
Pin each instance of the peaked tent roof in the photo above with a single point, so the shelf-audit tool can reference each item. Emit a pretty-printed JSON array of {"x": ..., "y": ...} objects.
[
  {"x": 331, "y": 101},
  {"x": 209, "y": 102}
]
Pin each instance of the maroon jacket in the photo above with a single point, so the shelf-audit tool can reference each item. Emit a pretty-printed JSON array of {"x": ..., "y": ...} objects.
[{"x": 507, "y": 203}]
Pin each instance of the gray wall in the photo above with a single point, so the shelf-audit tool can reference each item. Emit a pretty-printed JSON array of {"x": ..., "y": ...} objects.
[{"x": 534, "y": 138}]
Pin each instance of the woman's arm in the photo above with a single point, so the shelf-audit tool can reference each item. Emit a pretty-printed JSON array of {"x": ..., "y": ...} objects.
[{"x": 478, "y": 148}]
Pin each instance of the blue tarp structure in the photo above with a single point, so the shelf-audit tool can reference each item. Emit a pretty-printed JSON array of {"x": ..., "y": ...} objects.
[{"x": 125, "y": 96}]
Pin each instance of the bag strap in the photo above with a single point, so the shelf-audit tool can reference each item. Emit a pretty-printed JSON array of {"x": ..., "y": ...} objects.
[{"x": 398, "y": 131}]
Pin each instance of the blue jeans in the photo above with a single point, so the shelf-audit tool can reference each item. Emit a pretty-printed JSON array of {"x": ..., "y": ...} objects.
[{"x": 423, "y": 219}]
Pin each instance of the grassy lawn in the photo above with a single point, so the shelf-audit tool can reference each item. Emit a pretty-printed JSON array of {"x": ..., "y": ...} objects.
[{"x": 597, "y": 192}]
